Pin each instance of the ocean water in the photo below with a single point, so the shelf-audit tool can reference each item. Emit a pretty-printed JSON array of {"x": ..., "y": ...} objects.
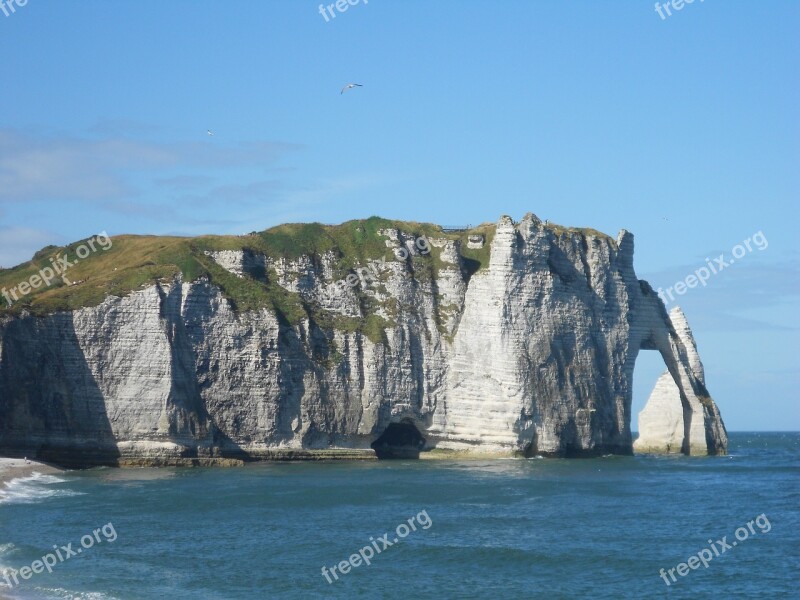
[{"x": 536, "y": 528}]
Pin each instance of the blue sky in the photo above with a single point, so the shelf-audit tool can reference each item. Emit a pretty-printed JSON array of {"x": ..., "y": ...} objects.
[{"x": 684, "y": 131}]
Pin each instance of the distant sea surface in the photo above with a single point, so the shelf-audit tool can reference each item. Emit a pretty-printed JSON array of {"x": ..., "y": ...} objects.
[{"x": 535, "y": 528}]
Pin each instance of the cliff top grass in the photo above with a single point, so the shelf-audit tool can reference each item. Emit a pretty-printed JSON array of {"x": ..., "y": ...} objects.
[
  {"x": 584, "y": 231},
  {"x": 136, "y": 261}
]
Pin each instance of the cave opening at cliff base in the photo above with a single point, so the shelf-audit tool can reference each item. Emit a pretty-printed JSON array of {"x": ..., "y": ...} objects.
[{"x": 399, "y": 440}]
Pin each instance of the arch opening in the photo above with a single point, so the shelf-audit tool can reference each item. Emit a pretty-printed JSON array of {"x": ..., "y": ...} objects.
[
  {"x": 658, "y": 408},
  {"x": 649, "y": 366},
  {"x": 399, "y": 440}
]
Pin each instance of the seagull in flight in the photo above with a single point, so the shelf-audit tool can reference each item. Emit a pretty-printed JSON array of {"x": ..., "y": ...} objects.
[
  {"x": 209, "y": 132},
  {"x": 350, "y": 86}
]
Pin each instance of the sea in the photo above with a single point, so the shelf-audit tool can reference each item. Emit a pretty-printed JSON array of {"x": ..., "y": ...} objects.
[{"x": 610, "y": 527}]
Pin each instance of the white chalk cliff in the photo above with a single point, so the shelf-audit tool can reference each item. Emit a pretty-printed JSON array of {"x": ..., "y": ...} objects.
[{"x": 533, "y": 354}]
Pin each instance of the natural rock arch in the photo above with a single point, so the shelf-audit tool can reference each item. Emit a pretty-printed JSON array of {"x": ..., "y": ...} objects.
[{"x": 680, "y": 416}]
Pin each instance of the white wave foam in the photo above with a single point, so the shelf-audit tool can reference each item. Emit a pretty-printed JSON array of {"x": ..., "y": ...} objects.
[
  {"x": 32, "y": 489},
  {"x": 62, "y": 594},
  {"x": 7, "y": 548}
]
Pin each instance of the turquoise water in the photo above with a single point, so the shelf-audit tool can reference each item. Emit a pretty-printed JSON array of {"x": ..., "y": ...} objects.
[{"x": 591, "y": 528}]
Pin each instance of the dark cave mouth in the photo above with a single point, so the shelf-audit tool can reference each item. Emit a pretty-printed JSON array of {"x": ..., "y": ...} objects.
[{"x": 399, "y": 440}]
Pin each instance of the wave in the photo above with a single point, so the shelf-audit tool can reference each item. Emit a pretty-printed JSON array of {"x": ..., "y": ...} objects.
[
  {"x": 32, "y": 489},
  {"x": 5, "y": 550},
  {"x": 62, "y": 594}
]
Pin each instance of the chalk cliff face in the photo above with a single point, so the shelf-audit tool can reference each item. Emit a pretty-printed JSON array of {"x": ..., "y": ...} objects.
[{"x": 531, "y": 354}]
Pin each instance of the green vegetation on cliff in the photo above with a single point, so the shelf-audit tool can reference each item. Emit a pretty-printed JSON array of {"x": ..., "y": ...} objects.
[{"x": 133, "y": 262}]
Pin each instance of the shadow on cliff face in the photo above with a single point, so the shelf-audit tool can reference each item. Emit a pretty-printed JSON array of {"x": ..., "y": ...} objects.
[
  {"x": 399, "y": 440},
  {"x": 51, "y": 407},
  {"x": 188, "y": 416}
]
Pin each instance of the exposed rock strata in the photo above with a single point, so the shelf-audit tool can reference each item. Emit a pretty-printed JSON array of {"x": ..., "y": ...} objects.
[{"x": 533, "y": 354}]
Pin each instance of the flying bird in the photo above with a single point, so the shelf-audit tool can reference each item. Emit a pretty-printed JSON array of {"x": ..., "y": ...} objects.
[
  {"x": 209, "y": 132},
  {"x": 349, "y": 86}
]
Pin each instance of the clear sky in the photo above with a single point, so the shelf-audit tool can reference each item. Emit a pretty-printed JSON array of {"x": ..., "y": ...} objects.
[{"x": 683, "y": 130}]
